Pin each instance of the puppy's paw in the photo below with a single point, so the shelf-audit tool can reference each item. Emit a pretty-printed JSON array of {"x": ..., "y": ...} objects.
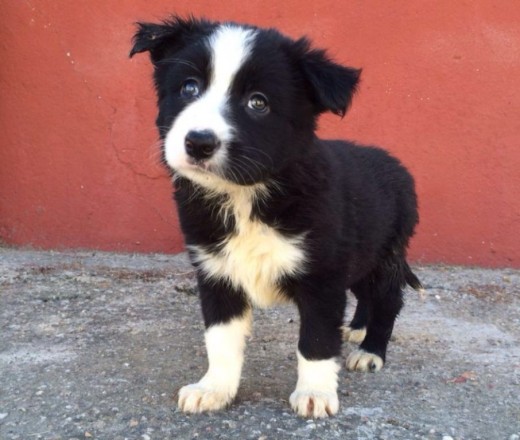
[
  {"x": 354, "y": 335},
  {"x": 315, "y": 404},
  {"x": 197, "y": 398},
  {"x": 361, "y": 360}
]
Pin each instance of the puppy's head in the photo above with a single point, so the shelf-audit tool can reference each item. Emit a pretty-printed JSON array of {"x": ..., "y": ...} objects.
[{"x": 235, "y": 101}]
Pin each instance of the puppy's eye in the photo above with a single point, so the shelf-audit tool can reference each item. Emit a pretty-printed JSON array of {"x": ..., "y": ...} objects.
[
  {"x": 258, "y": 103},
  {"x": 190, "y": 89}
]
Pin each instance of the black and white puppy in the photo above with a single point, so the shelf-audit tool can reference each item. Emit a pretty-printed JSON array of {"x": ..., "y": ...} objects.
[{"x": 269, "y": 211}]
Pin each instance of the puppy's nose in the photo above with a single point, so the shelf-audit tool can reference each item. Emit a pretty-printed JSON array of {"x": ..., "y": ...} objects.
[{"x": 201, "y": 144}]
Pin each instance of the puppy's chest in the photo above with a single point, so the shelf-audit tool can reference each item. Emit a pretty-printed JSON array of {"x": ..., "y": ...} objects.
[{"x": 254, "y": 257}]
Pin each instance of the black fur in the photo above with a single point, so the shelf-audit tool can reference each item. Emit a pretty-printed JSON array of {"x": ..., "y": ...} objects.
[{"x": 356, "y": 205}]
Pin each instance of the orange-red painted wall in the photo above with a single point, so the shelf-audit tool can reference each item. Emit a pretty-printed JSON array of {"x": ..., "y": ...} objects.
[{"x": 441, "y": 89}]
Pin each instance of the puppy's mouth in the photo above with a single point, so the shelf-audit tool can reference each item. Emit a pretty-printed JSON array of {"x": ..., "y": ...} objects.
[
  {"x": 203, "y": 167},
  {"x": 199, "y": 164}
]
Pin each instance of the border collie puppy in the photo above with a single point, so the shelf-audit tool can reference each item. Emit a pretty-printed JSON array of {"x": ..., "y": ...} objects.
[{"x": 270, "y": 212}]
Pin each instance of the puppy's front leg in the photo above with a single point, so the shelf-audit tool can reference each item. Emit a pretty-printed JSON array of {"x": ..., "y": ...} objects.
[
  {"x": 227, "y": 317},
  {"x": 321, "y": 303}
]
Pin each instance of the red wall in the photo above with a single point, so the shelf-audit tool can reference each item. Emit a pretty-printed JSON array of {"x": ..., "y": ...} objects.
[{"x": 441, "y": 89}]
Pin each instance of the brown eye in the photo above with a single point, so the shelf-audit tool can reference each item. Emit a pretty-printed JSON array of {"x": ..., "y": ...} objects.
[
  {"x": 258, "y": 103},
  {"x": 190, "y": 89}
]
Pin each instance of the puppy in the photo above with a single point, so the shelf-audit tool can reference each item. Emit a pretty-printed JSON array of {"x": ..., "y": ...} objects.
[{"x": 270, "y": 212}]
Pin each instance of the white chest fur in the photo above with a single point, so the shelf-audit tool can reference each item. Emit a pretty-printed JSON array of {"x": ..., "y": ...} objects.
[{"x": 255, "y": 257}]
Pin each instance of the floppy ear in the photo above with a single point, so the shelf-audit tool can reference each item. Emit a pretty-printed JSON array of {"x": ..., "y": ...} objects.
[
  {"x": 332, "y": 85},
  {"x": 167, "y": 37},
  {"x": 149, "y": 37}
]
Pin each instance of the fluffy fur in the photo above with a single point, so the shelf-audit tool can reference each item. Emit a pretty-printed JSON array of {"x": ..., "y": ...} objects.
[{"x": 272, "y": 213}]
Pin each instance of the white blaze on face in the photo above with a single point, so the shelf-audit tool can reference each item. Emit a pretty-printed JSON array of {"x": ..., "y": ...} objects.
[{"x": 229, "y": 47}]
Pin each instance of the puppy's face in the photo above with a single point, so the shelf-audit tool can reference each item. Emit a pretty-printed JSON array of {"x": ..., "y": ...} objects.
[{"x": 235, "y": 101}]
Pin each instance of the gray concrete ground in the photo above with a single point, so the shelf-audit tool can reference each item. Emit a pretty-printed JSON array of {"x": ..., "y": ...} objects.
[{"x": 95, "y": 346}]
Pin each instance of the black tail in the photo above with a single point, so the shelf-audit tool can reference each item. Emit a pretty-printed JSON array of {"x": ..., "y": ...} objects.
[{"x": 411, "y": 279}]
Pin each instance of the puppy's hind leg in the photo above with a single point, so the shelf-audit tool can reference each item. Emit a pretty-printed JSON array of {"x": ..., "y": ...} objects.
[
  {"x": 382, "y": 293},
  {"x": 357, "y": 329}
]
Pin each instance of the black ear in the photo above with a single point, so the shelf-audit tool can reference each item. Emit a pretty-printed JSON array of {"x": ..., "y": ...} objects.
[
  {"x": 166, "y": 37},
  {"x": 332, "y": 85},
  {"x": 150, "y": 36}
]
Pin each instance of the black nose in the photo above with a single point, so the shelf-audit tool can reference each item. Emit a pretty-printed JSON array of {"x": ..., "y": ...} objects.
[{"x": 201, "y": 144}]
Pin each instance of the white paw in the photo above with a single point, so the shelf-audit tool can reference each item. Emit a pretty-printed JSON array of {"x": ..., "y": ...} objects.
[
  {"x": 315, "y": 404},
  {"x": 354, "y": 335},
  {"x": 361, "y": 360},
  {"x": 197, "y": 398}
]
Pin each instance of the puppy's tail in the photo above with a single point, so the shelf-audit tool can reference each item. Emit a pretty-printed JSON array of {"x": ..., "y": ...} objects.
[{"x": 411, "y": 279}]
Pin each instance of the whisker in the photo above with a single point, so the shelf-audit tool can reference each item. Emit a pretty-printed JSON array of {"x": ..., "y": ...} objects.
[
  {"x": 242, "y": 167},
  {"x": 257, "y": 165},
  {"x": 258, "y": 150}
]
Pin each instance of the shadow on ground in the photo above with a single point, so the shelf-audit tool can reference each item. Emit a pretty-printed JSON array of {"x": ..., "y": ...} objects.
[{"x": 95, "y": 346}]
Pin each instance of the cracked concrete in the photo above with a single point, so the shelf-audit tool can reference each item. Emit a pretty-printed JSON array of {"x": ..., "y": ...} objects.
[{"x": 95, "y": 345}]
